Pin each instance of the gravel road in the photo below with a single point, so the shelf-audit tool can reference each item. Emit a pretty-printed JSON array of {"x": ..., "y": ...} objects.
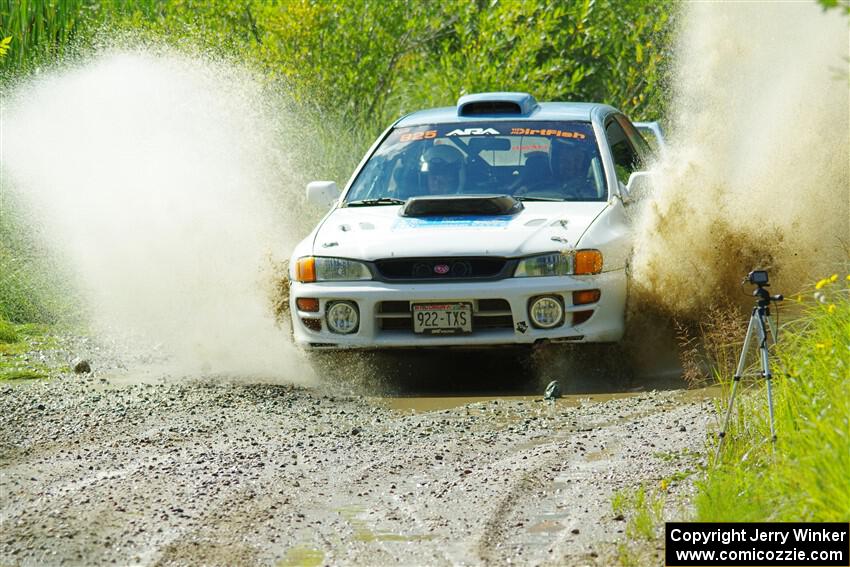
[{"x": 222, "y": 472}]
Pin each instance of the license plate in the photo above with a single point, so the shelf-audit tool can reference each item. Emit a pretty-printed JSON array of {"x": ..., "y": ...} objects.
[{"x": 442, "y": 318}]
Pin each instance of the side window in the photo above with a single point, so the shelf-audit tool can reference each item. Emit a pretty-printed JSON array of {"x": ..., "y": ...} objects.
[
  {"x": 626, "y": 159},
  {"x": 635, "y": 138}
]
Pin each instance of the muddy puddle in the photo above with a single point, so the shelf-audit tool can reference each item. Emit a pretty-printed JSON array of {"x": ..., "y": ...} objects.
[
  {"x": 414, "y": 404},
  {"x": 436, "y": 393}
]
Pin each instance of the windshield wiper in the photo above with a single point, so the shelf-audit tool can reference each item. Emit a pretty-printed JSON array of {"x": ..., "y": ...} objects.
[
  {"x": 375, "y": 202},
  {"x": 520, "y": 198}
]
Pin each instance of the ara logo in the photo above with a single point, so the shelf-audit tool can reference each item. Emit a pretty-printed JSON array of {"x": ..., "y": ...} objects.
[{"x": 474, "y": 132}]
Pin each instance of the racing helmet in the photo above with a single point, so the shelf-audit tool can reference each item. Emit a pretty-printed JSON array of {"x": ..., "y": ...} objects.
[{"x": 444, "y": 162}]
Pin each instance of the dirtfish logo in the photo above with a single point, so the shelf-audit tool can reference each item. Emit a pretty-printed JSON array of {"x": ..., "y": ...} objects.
[{"x": 474, "y": 132}]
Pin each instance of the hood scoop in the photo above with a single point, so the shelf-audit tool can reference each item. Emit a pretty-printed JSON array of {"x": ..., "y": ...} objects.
[{"x": 456, "y": 205}]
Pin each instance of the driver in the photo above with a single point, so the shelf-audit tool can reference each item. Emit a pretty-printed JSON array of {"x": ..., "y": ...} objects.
[
  {"x": 442, "y": 168},
  {"x": 570, "y": 163}
]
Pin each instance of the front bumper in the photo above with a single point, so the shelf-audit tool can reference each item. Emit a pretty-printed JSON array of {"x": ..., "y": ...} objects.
[{"x": 508, "y": 326}]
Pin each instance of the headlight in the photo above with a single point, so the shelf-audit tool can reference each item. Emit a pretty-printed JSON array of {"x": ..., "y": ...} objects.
[
  {"x": 580, "y": 262},
  {"x": 313, "y": 269},
  {"x": 554, "y": 264}
]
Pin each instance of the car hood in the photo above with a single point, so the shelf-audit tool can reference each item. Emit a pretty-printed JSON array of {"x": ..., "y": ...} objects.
[{"x": 372, "y": 233}]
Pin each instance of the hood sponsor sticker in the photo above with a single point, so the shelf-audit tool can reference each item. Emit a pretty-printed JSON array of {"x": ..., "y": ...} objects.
[{"x": 451, "y": 222}]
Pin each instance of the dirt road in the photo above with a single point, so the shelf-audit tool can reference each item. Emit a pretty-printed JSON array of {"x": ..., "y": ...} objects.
[{"x": 218, "y": 472}]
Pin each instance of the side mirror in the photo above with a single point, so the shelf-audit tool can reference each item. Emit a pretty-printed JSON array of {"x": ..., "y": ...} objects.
[
  {"x": 323, "y": 194},
  {"x": 639, "y": 186}
]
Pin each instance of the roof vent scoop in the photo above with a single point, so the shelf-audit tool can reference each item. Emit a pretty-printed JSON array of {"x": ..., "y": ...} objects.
[
  {"x": 461, "y": 205},
  {"x": 496, "y": 104}
]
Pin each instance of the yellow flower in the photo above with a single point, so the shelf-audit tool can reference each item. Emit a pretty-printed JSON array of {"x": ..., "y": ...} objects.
[
  {"x": 820, "y": 345},
  {"x": 848, "y": 277},
  {"x": 664, "y": 484},
  {"x": 831, "y": 308},
  {"x": 833, "y": 278},
  {"x": 821, "y": 283}
]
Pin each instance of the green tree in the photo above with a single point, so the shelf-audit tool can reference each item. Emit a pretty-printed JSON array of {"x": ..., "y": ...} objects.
[{"x": 605, "y": 51}]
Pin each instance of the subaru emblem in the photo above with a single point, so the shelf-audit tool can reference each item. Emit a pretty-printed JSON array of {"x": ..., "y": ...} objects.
[{"x": 441, "y": 269}]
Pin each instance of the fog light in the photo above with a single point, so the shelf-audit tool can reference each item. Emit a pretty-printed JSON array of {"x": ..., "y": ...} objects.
[
  {"x": 342, "y": 317},
  {"x": 546, "y": 312}
]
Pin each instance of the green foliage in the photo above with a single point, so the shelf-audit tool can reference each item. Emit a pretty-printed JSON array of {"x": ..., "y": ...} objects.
[
  {"x": 843, "y": 5},
  {"x": 643, "y": 510},
  {"x": 363, "y": 63},
  {"x": 348, "y": 58},
  {"x": 42, "y": 30},
  {"x": 807, "y": 475},
  {"x": 7, "y": 332},
  {"x": 603, "y": 51},
  {"x": 15, "y": 353},
  {"x": 32, "y": 286}
]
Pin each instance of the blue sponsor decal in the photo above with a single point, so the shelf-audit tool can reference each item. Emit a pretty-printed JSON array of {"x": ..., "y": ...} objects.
[{"x": 452, "y": 222}]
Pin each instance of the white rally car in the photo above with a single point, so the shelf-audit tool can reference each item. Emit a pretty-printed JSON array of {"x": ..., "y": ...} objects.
[{"x": 500, "y": 221}]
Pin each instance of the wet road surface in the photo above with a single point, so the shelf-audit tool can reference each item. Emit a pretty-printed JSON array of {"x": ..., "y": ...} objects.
[{"x": 221, "y": 472}]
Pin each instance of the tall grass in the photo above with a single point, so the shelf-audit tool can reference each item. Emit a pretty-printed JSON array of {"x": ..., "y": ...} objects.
[
  {"x": 806, "y": 475},
  {"x": 41, "y": 30},
  {"x": 38, "y": 28},
  {"x": 34, "y": 288}
]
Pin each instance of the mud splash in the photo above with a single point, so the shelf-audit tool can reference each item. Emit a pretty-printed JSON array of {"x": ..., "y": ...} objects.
[
  {"x": 160, "y": 179},
  {"x": 758, "y": 172}
]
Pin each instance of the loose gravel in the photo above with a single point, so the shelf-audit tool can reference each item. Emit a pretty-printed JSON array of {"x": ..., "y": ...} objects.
[{"x": 219, "y": 472}]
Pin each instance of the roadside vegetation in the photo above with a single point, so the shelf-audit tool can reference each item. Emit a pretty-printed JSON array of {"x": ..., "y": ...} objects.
[
  {"x": 805, "y": 476},
  {"x": 29, "y": 352},
  {"x": 643, "y": 511}
]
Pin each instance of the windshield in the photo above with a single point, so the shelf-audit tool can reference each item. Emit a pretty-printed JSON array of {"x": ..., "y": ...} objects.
[{"x": 529, "y": 160}]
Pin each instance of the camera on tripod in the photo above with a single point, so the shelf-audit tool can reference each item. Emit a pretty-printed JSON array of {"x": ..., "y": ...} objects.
[
  {"x": 759, "y": 327},
  {"x": 758, "y": 277}
]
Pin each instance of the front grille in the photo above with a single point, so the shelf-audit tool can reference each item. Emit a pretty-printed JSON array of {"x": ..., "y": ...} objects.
[
  {"x": 487, "y": 314},
  {"x": 436, "y": 269}
]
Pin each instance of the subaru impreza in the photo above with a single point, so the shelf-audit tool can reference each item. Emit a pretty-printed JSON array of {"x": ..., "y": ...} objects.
[{"x": 498, "y": 221}]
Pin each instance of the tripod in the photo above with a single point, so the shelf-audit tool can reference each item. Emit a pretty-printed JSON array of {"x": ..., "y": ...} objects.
[{"x": 759, "y": 323}]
